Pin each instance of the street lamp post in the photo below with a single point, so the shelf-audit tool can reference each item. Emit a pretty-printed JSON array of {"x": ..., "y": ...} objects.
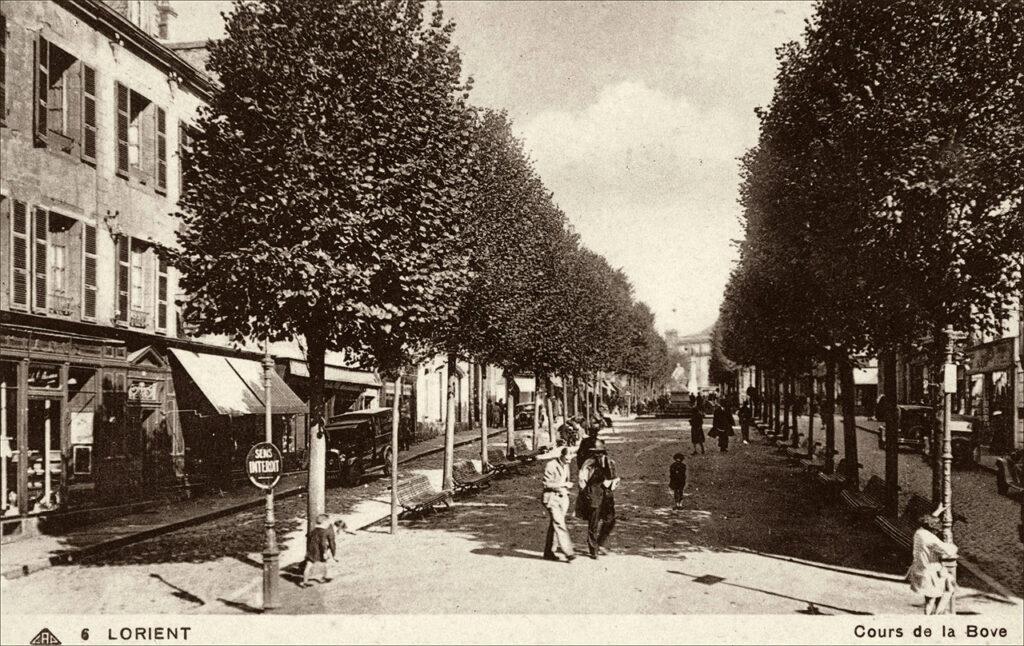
[
  {"x": 271, "y": 564},
  {"x": 949, "y": 389}
]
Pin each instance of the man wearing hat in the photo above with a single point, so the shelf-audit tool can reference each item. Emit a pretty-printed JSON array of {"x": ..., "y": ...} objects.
[
  {"x": 587, "y": 445},
  {"x": 556, "y": 502},
  {"x": 598, "y": 482}
]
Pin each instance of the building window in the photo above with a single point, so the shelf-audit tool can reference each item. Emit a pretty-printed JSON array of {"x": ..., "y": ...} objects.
[
  {"x": 141, "y": 140},
  {"x": 186, "y": 139},
  {"x": 161, "y": 295},
  {"x": 133, "y": 296},
  {"x": 58, "y": 91},
  {"x": 89, "y": 273}
]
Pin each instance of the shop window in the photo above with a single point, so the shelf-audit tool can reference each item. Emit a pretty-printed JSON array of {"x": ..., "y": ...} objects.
[
  {"x": 109, "y": 439},
  {"x": 44, "y": 376},
  {"x": 45, "y": 459},
  {"x": 9, "y": 438},
  {"x": 82, "y": 400}
]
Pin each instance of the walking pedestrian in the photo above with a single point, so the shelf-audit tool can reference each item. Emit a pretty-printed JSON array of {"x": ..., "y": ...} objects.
[
  {"x": 697, "y": 429},
  {"x": 677, "y": 479},
  {"x": 746, "y": 419},
  {"x": 927, "y": 574},
  {"x": 721, "y": 427},
  {"x": 556, "y": 501},
  {"x": 587, "y": 445},
  {"x": 598, "y": 480},
  {"x": 319, "y": 542}
]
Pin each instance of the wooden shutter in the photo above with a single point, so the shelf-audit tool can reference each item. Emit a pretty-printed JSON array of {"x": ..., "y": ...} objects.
[
  {"x": 161, "y": 149},
  {"x": 42, "y": 87},
  {"x": 19, "y": 256},
  {"x": 121, "y": 130},
  {"x": 89, "y": 272},
  {"x": 121, "y": 279},
  {"x": 3, "y": 69},
  {"x": 41, "y": 229},
  {"x": 161, "y": 294},
  {"x": 88, "y": 113}
]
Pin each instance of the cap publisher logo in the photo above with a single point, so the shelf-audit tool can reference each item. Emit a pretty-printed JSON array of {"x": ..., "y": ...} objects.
[{"x": 44, "y": 636}]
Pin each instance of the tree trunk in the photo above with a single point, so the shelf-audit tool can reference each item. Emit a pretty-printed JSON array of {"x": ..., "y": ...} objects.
[
  {"x": 810, "y": 414},
  {"x": 892, "y": 442},
  {"x": 549, "y": 408},
  {"x": 849, "y": 424},
  {"x": 828, "y": 416},
  {"x": 786, "y": 399},
  {"x": 395, "y": 411},
  {"x": 565, "y": 398},
  {"x": 449, "y": 424},
  {"x": 536, "y": 408},
  {"x": 484, "y": 402},
  {"x": 793, "y": 382},
  {"x": 759, "y": 389},
  {"x": 316, "y": 482},
  {"x": 586, "y": 401},
  {"x": 510, "y": 414}
]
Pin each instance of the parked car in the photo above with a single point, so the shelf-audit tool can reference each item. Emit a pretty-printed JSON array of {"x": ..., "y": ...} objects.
[
  {"x": 916, "y": 425},
  {"x": 524, "y": 416},
  {"x": 357, "y": 441},
  {"x": 1010, "y": 475},
  {"x": 966, "y": 443}
]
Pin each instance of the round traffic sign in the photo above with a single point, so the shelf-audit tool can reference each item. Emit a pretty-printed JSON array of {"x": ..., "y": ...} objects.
[{"x": 263, "y": 465}]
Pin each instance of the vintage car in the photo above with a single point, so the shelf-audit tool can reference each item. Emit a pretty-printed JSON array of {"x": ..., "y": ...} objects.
[
  {"x": 358, "y": 441},
  {"x": 965, "y": 442},
  {"x": 916, "y": 425}
]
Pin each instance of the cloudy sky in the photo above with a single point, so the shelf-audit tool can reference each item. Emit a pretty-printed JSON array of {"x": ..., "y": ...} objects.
[{"x": 635, "y": 113}]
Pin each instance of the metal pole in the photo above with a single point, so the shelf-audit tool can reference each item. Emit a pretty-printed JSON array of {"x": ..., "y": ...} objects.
[
  {"x": 271, "y": 565},
  {"x": 947, "y": 452},
  {"x": 395, "y": 422}
]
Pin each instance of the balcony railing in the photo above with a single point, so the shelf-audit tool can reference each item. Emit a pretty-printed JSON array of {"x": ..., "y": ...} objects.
[
  {"x": 60, "y": 304},
  {"x": 138, "y": 318}
]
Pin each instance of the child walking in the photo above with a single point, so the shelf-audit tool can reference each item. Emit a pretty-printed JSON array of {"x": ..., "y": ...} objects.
[
  {"x": 319, "y": 542},
  {"x": 677, "y": 479}
]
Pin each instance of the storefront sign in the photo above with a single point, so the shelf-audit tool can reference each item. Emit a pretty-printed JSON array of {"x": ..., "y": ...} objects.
[
  {"x": 144, "y": 391},
  {"x": 990, "y": 357},
  {"x": 263, "y": 465}
]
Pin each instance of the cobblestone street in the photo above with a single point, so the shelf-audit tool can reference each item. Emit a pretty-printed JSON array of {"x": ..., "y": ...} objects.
[
  {"x": 747, "y": 542},
  {"x": 986, "y": 523}
]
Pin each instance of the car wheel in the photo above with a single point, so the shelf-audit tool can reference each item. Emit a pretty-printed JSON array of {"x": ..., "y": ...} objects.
[
  {"x": 387, "y": 462},
  {"x": 976, "y": 456}
]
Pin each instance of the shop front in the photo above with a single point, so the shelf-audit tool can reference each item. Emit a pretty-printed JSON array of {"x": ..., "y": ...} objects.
[
  {"x": 991, "y": 393},
  {"x": 63, "y": 415}
]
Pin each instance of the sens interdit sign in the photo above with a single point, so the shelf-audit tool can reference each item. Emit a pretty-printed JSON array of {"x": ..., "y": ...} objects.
[{"x": 263, "y": 465}]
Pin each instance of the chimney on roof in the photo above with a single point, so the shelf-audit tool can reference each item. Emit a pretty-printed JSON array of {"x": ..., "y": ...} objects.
[{"x": 164, "y": 12}]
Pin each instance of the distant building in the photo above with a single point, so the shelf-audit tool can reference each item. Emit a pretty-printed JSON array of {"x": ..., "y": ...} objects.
[{"x": 696, "y": 351}]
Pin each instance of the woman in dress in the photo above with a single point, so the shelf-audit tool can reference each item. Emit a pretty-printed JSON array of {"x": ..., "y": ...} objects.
[
  {"x": 928, "y": 575},
  {"x": 697, "y": 429}
]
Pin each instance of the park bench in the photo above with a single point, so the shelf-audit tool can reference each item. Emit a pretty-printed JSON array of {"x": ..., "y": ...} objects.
[
  {"x": 499, "y": 463},
  {"x": 416, "y": 495},
  {"x": 468, "y": 478},
  {"x": 784, "y": 446},
  {"x": 800, "y": 453},
  {"x": 815, "y": 462},
  {"x": 1008, "y": 482},
  {"x": 524, "y": 453},
  {"x": 901, "y": 530},
  {"x": 870, "y": 500}
]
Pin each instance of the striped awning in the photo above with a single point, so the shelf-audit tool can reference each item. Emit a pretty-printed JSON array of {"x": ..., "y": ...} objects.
[{"x": 234, "y": 386}]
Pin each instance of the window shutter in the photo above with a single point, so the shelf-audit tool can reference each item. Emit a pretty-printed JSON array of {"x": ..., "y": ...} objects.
[
  {"x": 88, "y": 113},
  {"x": 3, "y": 69},
  {"x": 41, "y": 227},
  {"x": 19, "y": 256},
  {"x": 42, "y": 87},
  {"x": 123, "y": 246},
  {"x": 161, "y": 149},
  {"x": 89, "y": 273},
  {"x": 121, "y": 129},
  {"x": 161, "y": 295}
]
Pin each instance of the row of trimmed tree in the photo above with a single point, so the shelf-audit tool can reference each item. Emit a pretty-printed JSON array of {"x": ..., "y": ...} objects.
[
  {"x": 342, "y": 188},
  {"x": 882, "y": 203}
]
